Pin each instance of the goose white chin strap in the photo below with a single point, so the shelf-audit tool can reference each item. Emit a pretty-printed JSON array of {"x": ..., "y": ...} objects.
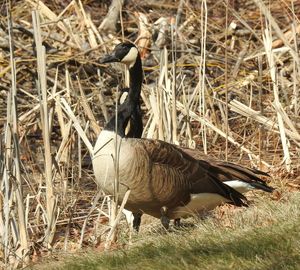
[{"x": 130, "y": 57}]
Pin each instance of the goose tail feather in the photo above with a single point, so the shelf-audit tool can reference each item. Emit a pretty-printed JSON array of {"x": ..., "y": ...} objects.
[
  {"x": 247, "y": 175},
  {"x": 235, "y": 197}
]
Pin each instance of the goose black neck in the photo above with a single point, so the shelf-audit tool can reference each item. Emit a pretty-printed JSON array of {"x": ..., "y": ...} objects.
[
  {"x": 136, "y": 80},
  {"x": 131, "y": 107},
  {"x": 122, "y": 117}
]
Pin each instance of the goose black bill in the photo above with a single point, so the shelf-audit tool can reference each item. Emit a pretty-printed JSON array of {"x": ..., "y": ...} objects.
[{"x": 110, "y": 58}]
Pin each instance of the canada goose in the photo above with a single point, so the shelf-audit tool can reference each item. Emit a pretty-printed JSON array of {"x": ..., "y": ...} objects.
[
  {"x": 164, "y": 181},
  {"x": 240, "y": 178}
]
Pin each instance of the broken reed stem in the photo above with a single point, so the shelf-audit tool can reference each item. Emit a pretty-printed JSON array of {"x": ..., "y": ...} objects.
[
  {"x": 6, "y": 185},
  {"x": 111, "y": 235},
  {"x": 42, "y": 90},
  {"x": 174, "y": 111},
  {"x": 79, "y": 158},
  {"x": 275, "y": 26},
  {"x": 226, "y": 81},
  {"x": 267, "y": 37},
  {"x": 295, "y": 90},
  {"x": 87, "y": 110},
  {"x": 204, "y": 121},
  {"x": 261, "y": 128},
  {"x": 121, "y": 20},
  {"x": 114, "y": 202},
  {"x": 202, "y": 100},
  {"x": 14, "y": 237},
  {"x": 268, "y": 123},
  {"x": 296, "y": 68},
  {"x": 159, "y": 94},
  {"x": 96, "y": 199},
  {"x": 77, "y": 126}
]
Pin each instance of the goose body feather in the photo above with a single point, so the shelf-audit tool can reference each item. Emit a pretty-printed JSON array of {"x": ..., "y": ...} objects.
[{"x": 159, "y": 175}]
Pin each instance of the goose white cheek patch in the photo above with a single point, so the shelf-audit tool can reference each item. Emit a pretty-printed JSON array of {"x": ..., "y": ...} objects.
[{"x": 130, "y": 57}]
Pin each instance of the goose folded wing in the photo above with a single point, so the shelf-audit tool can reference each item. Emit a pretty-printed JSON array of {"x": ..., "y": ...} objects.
[
  {"x": 227, "y": 171},
  {"x": 195, "y": 176}
]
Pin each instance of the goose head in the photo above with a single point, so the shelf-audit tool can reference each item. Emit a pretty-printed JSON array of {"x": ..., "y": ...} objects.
[
  {"x": 128, "y": 54},
  {"x": 125, "y": 52}
]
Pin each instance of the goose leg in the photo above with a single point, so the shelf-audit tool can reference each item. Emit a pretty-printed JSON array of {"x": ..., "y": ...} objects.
[
  {"x": 165, "y": 221},
  {"x": 177, "y": 222},
  {"x": 137, "y": 221}
]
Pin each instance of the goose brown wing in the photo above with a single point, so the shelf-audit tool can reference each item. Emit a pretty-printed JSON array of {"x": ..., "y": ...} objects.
[
  {"x": 226, "y": 171},
  {"x": 191, "y": 176}
]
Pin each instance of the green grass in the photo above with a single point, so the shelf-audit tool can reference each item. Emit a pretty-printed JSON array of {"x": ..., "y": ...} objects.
[{"x": 264, "y": 236}]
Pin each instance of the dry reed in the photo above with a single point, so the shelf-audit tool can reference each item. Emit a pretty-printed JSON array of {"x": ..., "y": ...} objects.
[{"x": 55, "y": 98}]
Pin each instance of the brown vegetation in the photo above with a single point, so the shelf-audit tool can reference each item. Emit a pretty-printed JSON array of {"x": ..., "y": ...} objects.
[{"x": 222, "y": 77}]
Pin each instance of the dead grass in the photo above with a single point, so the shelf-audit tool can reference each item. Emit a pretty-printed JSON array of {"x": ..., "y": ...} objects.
[{"x": 55, "y": 97}]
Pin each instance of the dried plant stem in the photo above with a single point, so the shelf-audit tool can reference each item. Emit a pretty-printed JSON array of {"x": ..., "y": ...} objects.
[
  {"x": 43, "y": 9},
  {"x": 268, "y": 123},
  {"x": 6, "y": 183},
  {"x": 114, "y": 202},
  {"x": 174, "y": 111},
  {"x": 88, "y": 110},
  {"x": 14, "y": 237},
  {"x": 42, "y": 88},
  {"x": 77, "y": 126},
  {"x": 96, "y": 199},
  {"x": 204, "y": 121},
  {"x": 226, "y": 81},
  {"x": 277, "y": 29},
  {"x": 270, "y": 56},
  {"x": 261, "y": 128},
  {"x": 202, "y": 100},
  {"x": 110, "y": 237},
  {"x": 88, "y": 24},
  {"x": 110, "y": 21}
]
